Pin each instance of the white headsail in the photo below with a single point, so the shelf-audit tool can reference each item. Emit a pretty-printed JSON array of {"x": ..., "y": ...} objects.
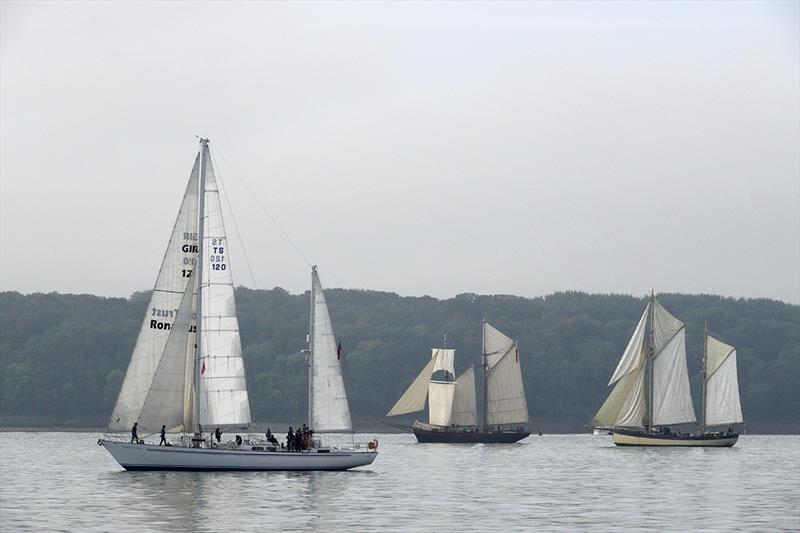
[
  {"x": 672, "y": 395},
  {"x": 223, "y": 389},
  {"x": 329, "y": 408},
  {"x": 465, "y": 411},
  {"x": 158, "y": 325},
  {"x": 722, "y": 405},
  {"x": 625, "y": 406},
  {"x": 505, "y": 393}
]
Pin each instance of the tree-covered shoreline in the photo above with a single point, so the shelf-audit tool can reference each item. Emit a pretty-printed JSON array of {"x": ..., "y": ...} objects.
[{"x": 63, "y": 356}]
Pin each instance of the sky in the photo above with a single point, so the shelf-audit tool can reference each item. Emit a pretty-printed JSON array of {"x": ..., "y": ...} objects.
[{"x": 420, "y": 148}]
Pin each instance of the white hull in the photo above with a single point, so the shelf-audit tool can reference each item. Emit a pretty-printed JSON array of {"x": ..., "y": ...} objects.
[{"x": 152, "y": 457}]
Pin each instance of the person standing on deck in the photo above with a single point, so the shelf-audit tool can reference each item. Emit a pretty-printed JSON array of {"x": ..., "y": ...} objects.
[
  {"x": 290, "y": 440},
  {"x": 135, "y": 433},
  {"x": 163, "y": 435}
]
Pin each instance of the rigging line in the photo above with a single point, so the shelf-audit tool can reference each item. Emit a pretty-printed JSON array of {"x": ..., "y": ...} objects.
[
  {"x": 235, "y": 223},
  {"x": 272, "y": 218}
]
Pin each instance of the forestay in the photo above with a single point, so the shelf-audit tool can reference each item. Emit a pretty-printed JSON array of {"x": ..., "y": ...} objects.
[
  {"x": 722, "y": 405},
  {"x": 464, "y": 412},
  {"x": 330, "y": 411},
  {"x": 138, "y": 399},
  {"x": 505, "y": 393},
  {"x": 223, "y": 389}
]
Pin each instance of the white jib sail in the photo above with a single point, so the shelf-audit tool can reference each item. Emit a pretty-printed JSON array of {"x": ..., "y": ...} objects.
[
  {"x": 413, "y": 399},
  {"x": 330, "y": 411},
  {"x": 723, "y": 406},
  {"x": 465, "y": 412},
  {"x": 223, "y": 389},
  {"x": 672, "y": 396},
  {"x": 506, "y": 403},
  {"x": 625, "y": 405},
  {"x": 171, "y": 283}
]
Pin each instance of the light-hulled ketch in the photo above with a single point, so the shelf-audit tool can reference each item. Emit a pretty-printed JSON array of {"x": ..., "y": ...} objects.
[
  {"x": 188, "y": 374},
  {"x": 652, "y": 392},
  {"x": 452, "y": 406}
]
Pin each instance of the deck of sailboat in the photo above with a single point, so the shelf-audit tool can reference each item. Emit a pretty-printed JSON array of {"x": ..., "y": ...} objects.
[{"x": 153, "y": 457}]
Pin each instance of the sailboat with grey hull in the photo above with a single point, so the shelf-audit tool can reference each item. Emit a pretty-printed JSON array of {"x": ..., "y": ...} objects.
[
  {"x": 452, "y": 406},
  {"x": 652, "y": 395},
  {"x": 187, "y": 371}
]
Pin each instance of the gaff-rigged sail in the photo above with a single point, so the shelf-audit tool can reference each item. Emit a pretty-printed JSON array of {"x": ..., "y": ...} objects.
[
  {"x": 160, "y": 319},
  {"x": 464, "y": 411},
  {"x": 505, "y": 393},
  {"x": 722, "y": 406},
  {"x": 672, "y": 395},
  {"x": 329, "y": 410}
]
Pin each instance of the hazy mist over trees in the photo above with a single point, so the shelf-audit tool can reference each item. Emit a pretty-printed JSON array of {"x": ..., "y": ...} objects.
[{"x": 63, "y": 357}]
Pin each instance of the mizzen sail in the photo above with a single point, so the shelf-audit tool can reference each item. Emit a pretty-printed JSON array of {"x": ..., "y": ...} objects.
[
  {"x": 722, "y": 404},
  {"x": 505, "y": 393}
]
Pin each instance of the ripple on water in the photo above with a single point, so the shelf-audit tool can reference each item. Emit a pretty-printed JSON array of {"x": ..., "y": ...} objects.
[{"x": 63, "y": 481}]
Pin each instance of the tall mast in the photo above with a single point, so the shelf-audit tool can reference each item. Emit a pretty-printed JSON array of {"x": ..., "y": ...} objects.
[
  {"x": 650, "y": 366},
  {"x": 705, "y": 371},
  {"x": 198, "y": 273},
  {"x": 311, "y": 349},
  {"x": 484, "y": 421}
]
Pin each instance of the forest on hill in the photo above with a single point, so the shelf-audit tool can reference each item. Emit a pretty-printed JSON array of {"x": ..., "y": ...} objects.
[{"x": 63, "y": 356}]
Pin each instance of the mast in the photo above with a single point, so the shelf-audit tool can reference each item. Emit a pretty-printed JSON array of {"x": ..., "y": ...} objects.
[
  {"x": 650, "y": 366},
  {"x": 705, "y": 371},
  {"x": 198, "y": 342},
  {"x": 484, "y": 425},
  {"x": 311, "y": 350}
]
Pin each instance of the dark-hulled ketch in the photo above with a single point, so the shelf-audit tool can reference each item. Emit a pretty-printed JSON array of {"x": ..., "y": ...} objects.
[{"x": 452, "y": 406}]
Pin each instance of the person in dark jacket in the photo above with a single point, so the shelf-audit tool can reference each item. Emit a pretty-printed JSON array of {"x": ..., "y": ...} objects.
[
  {"x": 218, "y": 435},
  {"x": 135, "y": 433},
  {"x": 163, "y": 435},
  {"x": 290, "y": 440}
]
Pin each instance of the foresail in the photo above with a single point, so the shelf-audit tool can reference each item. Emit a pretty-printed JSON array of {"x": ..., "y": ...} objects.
[
  {"x": 165, "y": 399},
  {"x": 413, "y": 399},
  {"x": 723, "y": 406},
  {"x": 223, "y": 389},
  {"x": 464, "y": 411},
  {"x": 440, "y": 402},
  {"x": 330, "y": 411},
  {"x": 672, "y": 396},
  {"x": 171, "y": 283},
  {"x": 632, "y": 358}
]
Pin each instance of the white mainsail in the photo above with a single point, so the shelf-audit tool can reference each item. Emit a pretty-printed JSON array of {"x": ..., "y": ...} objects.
[
  {"x": 672, "y": 395},
  {"x": 625, "y": 406},
  {"x": 505, "y": 393},
  {"x": 465, "y": 411},
  {"x": 159, "y": 323},
  {"x": 223, "y": 390},
  {"x": 722, "y": 405},
  {"x": 329, "y": 408}
]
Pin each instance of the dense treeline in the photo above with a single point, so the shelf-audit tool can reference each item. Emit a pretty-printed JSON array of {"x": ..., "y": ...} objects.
[{"x": 63, "y": 357}]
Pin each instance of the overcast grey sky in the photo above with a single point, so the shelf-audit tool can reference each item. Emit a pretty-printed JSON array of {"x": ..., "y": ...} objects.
[{"x": 420, "y": 148}]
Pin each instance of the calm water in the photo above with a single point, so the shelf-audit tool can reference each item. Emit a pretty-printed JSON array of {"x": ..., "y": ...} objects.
[{"x": 64, "y": 481}]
